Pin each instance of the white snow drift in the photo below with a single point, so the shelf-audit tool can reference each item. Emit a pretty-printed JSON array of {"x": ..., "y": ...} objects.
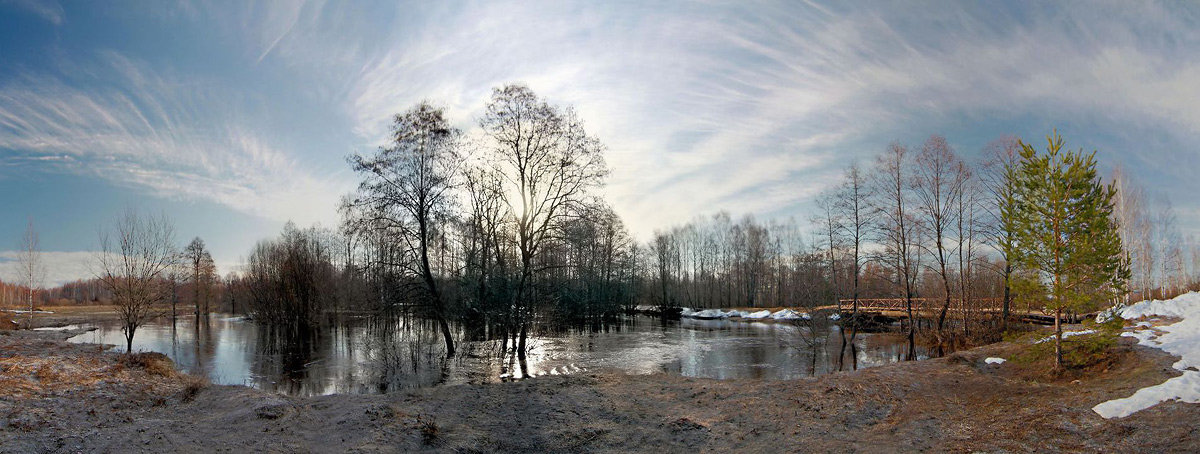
[
  {"x": 782, "y": 314},
  {"x": 1181, "y": 339}
]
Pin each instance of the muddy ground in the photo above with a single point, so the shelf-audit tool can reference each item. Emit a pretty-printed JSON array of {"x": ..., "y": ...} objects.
[{"x": 61, "y": 397}]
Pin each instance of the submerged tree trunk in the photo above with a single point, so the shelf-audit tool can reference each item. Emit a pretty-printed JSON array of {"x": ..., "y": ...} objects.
[
  {"x": 439, "y": 308},
  {"x": 129, "y": 338},
  {"x": 446, "y": 335},
  {"x": 912, "y": 334},
  {"x": 521, "y": 344}
]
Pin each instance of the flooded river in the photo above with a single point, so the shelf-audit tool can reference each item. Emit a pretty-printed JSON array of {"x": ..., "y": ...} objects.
[{"x": 375, "y": 354}]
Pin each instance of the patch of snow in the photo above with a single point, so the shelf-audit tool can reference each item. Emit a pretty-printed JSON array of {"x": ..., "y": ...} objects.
[
  {"x": 709, "y": 314},
  {"x": 757, "y": 315},
  {"x": 1067, "y": 334},
  {"x": 835, "y": 317},
  {"x": 1181, "y": 339},
  {"x": 788, "y": 314},
  {"x": 58, "y": 328},
  {"x": 687, "y": 312},
  {"x": 18, "y": 311},
  {"x": 737, "y": 313},
  {"x": 1179, "y": 307},
  {"x": 994, "y": 360},
  {"x": 1109, "y": 313}
]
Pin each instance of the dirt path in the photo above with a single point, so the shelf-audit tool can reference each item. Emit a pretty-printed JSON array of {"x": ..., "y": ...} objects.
[{"x": 60, "y": 397}]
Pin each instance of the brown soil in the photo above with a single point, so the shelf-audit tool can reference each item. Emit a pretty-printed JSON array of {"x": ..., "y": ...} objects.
[{"x": 59, "y": 397}]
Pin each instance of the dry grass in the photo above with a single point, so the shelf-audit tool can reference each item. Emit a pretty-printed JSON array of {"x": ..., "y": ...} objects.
[
  {"x": 26, "y": 376},
  {"x": 153, "y": 363},
  {"x": 192, "y": 385},
  {"x": 31, "y": 369}
]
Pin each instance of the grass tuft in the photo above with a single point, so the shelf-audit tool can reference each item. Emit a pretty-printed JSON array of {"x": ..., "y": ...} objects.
[
  {"x": 1083, "y": 355},
  {"x": 192, "y": 387},
  {"x": 428, "y": 428}
]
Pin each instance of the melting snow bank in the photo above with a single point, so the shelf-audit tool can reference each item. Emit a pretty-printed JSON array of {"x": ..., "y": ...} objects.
[
  {"x": 709, "y": 314},
  {"x": 788, "y": 314},
  {"x": 61, "y": 328},
  {"x": 1181, "y": 339},
  {"x": 994, "y": 360},
  {"x": 757, "y": 315}
]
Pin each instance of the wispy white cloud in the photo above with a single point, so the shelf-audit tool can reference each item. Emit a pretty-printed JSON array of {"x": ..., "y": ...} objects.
[
  {"x": 752, "y": 107},
  {"x": 50, "y": 10},
  {"x": 747, "y": 107},
  {"x": 170, "y": 135}
]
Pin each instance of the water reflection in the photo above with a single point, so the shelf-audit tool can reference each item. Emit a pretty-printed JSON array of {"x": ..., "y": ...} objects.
[{"x": 385, "y": 354}]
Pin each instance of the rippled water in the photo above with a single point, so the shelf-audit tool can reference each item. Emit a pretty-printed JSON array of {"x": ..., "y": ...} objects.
[{"x": 371, "y": 355}]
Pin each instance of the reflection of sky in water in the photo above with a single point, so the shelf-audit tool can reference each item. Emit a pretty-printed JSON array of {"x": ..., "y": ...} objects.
[{"x": 371, "y": 355}]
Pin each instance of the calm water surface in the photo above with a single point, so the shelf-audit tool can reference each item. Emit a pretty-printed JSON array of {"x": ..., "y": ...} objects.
[{"x": 375, "y": 354}]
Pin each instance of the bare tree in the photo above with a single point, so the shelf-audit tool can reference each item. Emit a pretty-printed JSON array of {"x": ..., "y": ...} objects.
[
  {"x": 33, "y": 271},
  {"x": 1130, "y": 212},
  {"x": 1168, "y": 243},
  {"x": 133, "y": 262},
  {"x": 897, "y": 229},
  {"x": 548, "y": 164},
  {"x": 940, "y": 176},
  {"x": 999, "y": 173},
  {"x": 487, "y": 260},
  {"x": 968, "y": 223},
  {"x": 407, "y": 185},
  {"x": 177, "y": 273},
  {"x": 202, "y": 269},
  {"x": 852, "y": 203}
]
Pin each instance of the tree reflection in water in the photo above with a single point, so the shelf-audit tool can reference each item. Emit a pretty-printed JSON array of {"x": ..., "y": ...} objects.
[{"x": 387, "y": 353}]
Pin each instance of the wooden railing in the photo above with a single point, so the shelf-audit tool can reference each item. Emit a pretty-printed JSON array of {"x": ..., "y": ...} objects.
[{"x": 898, "y": 307}]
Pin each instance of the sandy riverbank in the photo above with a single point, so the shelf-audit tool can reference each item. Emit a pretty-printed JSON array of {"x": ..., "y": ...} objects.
[{"x": 61, "y": 397}]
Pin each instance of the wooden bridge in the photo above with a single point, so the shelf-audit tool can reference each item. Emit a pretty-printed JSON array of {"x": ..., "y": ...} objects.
[{"x": 931, "y": 307}]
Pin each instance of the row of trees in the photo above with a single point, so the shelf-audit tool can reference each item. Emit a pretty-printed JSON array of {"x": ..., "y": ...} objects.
[
  {"x": 506, "y": 237},
  {"x": 140, "y": 265},
  {"x": 920, "y": 224},
  {"x": 716, "y": 262},
  {"x": 1023, "y": 225},
  {"x": 1163, "y": 263},
  {"x": 293, "y": 280}
]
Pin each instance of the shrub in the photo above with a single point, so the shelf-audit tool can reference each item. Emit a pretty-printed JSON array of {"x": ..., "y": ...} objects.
[
  {"x": 428, "y": 428},
  {"x": 152, "y": 362},
  {"x": 192, "y": 388}
]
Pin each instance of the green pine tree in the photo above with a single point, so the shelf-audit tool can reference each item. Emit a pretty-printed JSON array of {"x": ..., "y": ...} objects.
[{"x": 1067, "y": 245}]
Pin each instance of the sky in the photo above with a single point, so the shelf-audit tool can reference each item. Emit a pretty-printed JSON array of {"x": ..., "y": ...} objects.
[{"x": 234, "y": 117}]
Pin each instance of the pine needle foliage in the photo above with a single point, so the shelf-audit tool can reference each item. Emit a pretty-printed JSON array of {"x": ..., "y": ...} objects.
[{"x": 1068, "y": 250}]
